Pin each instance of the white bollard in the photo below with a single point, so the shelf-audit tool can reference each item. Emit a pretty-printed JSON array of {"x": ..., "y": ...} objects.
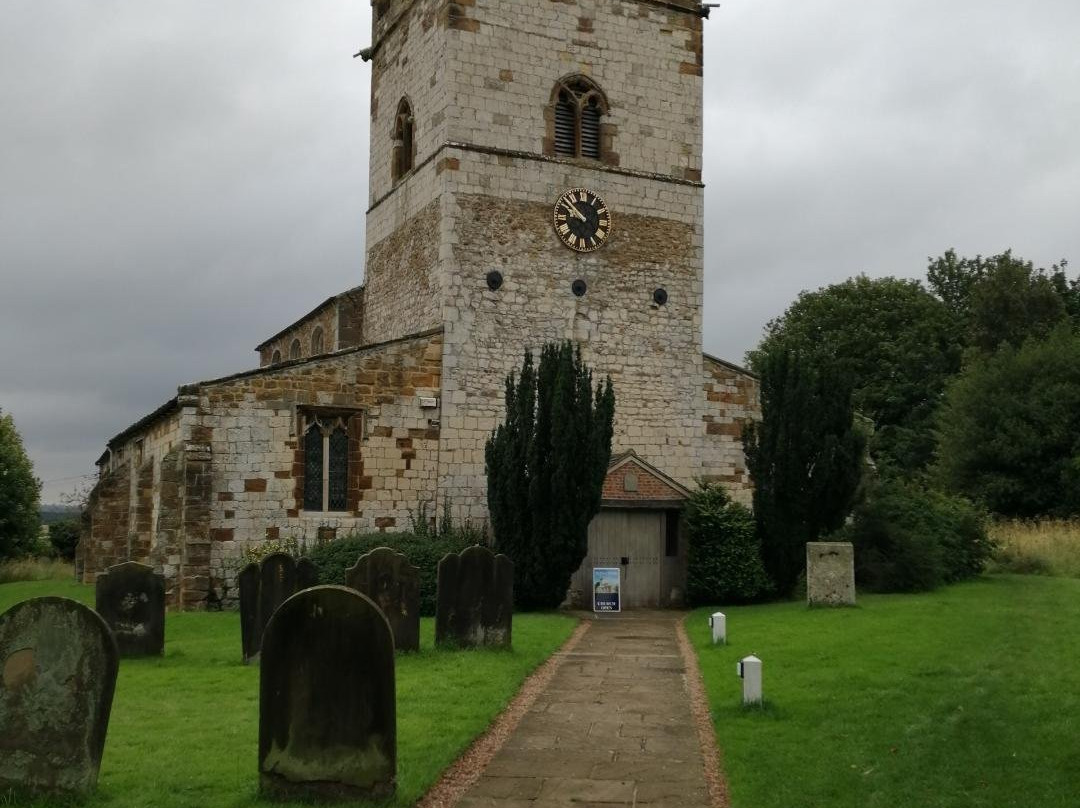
[
  {"x": 750, "y": 672},
  {"x": 718, "y": 621}
]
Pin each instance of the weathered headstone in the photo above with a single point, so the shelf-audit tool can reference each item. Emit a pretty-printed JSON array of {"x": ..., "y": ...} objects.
[
  {"x": 264, "y": 587},
  {"x": 307, "y": 575},
  {"x": 830, "y": 573},
  {"x": 475, "y": 600},
  {"x": 250, "y": 628},
  {"x": 130, "y": 597},
  {"x": 58, "y": 663},
  {"x": 327, "y": 709},
  {"x": 387, "y": 577}
]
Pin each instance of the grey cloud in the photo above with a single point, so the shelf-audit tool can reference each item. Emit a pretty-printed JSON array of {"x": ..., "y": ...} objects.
[{"x": 179, "y": 179}]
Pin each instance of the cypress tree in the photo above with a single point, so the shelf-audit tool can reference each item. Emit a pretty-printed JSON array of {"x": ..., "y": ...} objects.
[
  {"x": 805, "y": 458},
  {"x": 545, "y": 469}
]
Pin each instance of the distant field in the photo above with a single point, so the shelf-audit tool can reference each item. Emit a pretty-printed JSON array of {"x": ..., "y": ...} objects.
[
  {"x": 184, "y": 728},
  {"x": 1047, "y": 547},
  {"x": 967, "y": 697}
]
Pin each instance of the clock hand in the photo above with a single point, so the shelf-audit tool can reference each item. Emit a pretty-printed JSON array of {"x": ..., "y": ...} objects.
[{"x": 573, "y": 209}]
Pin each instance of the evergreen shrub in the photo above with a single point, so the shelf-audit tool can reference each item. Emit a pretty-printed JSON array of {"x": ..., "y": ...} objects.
[
  {"x": 910, "y": 539},
  {"x": 724, "y": 554},
  {"x": 424, "y": 551}
]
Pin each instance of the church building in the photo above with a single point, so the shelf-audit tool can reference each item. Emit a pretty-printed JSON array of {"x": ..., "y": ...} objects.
[{"x": 535, "y": 176}]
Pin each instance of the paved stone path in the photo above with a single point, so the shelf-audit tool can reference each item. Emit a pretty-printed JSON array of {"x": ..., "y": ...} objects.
[{"x": 613, "y": 728}]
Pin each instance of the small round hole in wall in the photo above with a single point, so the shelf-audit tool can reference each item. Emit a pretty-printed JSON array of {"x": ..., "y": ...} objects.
[
  {"x": 494, "y": 280},
  {"x": 660, "y": 296},
  {"x": 579, "y": 287}
]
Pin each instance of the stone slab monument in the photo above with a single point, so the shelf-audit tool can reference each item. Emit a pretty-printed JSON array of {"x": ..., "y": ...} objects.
[
  {"x": 327, "y": 710},
  {"x": 130, "y": 597},
  {"x": 830, "y": 573},
  {"x": 58, "y": 664},
  {"x": 264, "y": 587},
  {"x": 474, "y": 605},
  {"x": 387, "y": 577}
]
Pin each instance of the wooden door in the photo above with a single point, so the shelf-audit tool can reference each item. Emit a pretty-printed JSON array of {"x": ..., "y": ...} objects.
[{"x": 632, "y": 540}]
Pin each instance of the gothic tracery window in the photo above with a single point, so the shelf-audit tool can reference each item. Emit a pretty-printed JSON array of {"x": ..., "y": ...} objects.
[
  {"x": 579, "y": 105},
  {"x": 326, "y": 464},
  {"x": 404, "y": 141}
]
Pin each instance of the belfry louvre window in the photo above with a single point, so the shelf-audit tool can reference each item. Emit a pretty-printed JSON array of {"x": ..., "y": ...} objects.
[
  {"x": 404, "y": 141},
  {"x": 579, "y": 105},
  {"x": 326, "y": 464}
]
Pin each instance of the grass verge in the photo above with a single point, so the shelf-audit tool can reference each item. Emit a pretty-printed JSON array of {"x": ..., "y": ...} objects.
[
  {"x": 1047, "y": 547},
  {"x": 967, "y": 696},
  {"x": 36, "y": 569},
  {"x": 184, "y": 728}
]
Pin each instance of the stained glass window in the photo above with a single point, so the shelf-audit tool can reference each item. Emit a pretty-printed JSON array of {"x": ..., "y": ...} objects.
[
  {"x": 339, "y": 469},
  {"x": 313, "y": 468}
]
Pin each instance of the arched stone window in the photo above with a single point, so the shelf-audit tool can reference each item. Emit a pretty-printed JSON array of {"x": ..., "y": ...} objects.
[
  {"x": 294, "y": 349},
  {"x": 326, "y": 463},
  {"x": 276, "y": 357},
  {"x": 404, "y": 152},
  {"x": 575, "y": 127},
  {"x": 317, "y": 341}
]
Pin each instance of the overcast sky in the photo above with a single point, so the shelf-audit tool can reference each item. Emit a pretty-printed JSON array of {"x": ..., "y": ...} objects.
[{"x": 180, "y": 179}]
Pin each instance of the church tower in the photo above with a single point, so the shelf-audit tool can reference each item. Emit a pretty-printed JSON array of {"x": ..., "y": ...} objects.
[{"x": 535, "y": 176}]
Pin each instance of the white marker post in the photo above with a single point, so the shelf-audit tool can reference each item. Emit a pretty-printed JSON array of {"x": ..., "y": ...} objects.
[
  {"x": 750, "y": 672},
  {"x": 718, "y": 621}
]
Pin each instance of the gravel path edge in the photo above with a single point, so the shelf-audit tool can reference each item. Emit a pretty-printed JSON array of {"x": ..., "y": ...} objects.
[
  {"x": 711, "y": 755},
  {"x": 463, "y": 773}
]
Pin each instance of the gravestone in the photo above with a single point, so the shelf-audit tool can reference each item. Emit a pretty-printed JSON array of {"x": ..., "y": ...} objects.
[
  {"x": 264, "y": 587},
  {"x": 130, "y": 597},
  {"x": 475, "y": 600},
  {"x": 388, "y": 578},
  {"x": 830, "y": 573},
  {"x": 58, "y": 663},
  {"x": 250, "y": 628},
  {"x": 327, "y": 709}
]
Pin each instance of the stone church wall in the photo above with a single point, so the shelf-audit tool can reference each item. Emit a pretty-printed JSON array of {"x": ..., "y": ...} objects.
[
  {"x": 645, "y": 56},
  {"x": 226, "y": 465},
  {"x": 732, "y": 400},
  {"x": 325, "y": 317}
]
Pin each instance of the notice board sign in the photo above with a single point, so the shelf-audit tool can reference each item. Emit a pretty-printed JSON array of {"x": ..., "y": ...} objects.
[{"x": 605, "y": 589}]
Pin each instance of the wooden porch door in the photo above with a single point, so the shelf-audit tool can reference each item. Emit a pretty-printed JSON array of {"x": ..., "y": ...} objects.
[{"x": 632, "y": 540}]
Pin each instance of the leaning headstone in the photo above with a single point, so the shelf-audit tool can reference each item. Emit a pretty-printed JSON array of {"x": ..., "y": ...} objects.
[
  {"x": 327, "y": 710},
  {"x": 58, "y": 663},
  {"x": 131, "y": 600},
  {"x": 264, "y": 587},
  {"x": 830, "y": 573},
  {"x": 388, "y": 578},
  {"x": 475, "y": 600}
]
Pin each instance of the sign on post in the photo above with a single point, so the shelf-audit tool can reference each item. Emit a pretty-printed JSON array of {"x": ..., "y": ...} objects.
[{"x": 605, "y": 589}]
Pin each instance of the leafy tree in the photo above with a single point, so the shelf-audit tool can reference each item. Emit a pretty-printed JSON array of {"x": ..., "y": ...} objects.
[
  {"x": 909, "y": 538},
  {"x": 1010, "y": 429},
  {"x": 723, "y": 551},
  {"x": 64, "y": 537},
  {"x": 20, "y": 522},
  {"x": 545, "y": 469},
  {"x": 805, "y": 458},
  {"x": 1003, "y": 299},
  {"x": 896, "y": 342}
]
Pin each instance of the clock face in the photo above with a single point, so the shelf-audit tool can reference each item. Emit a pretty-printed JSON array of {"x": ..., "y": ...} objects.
[{"x": 582, "y": 220}]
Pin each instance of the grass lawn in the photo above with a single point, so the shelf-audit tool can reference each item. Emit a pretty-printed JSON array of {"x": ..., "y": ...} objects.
[
  {"x": 969, "y": 696},
  {"x": 184, "y": 728}
]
